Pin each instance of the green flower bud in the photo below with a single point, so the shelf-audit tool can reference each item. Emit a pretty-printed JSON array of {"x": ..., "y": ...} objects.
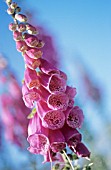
[
  {"x": 13, "y": 5},
  {"x": 8, "y": 2}
]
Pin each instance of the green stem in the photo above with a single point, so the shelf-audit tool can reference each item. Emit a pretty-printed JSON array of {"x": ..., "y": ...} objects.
[{"x": 68, "y": 160}]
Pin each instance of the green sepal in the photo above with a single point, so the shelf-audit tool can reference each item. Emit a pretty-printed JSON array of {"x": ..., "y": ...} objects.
[{"x": 31, "y": 115}]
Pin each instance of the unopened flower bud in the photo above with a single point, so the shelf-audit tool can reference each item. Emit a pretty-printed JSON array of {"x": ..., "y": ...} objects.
[
  {"x": 31, "y": 29},
  {"x": 21, "y": 46},
  {"x": 30, "y": 62},
  {"x": 21, "y": 17},
  {"x": 40, "y": 44},
  {"x": 30, "y": 40},
  {"x": 21, "y": 27},
  {"x": 17, "y": 36},
  {"x": 17, "y": 10},
  {"x": 8, "y": 2},
  {"x": 13, "y": 5},
  {"x": 34, "y": 53},
  {"x": 12, "y": 26},
  {"x": 10, "y": 11}
]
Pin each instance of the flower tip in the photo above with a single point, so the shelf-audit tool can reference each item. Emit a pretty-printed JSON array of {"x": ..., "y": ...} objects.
[
  {"x": 21, "y": 17},
  {"x": 8, "y": 2}
]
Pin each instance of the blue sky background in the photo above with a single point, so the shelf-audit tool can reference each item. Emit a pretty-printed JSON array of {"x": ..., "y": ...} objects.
[{"x": 80, "y": 27}]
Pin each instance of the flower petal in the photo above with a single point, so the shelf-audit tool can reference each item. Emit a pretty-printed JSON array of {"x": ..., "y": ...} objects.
[
  {"x": 74, "y": 117},
  {"x": 52, "y": 119},
  {"x": 57, "y": 140},
  {"x": 31, "y": 78},
  {"x": 47, "y": 67}
]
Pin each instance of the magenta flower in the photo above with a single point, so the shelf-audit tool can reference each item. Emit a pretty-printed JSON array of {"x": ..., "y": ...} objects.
[
  {"x": 58, "y": 101},
  {"x": 52, "y": 119},
  {"x": 63, "y": 75},
  {"x": 71, "y": 92},
  {"x": 37, "y": 136},
  {"x": 17, "y": 36},
  {"x": 71, "y": 103},
  {"x": 72, "y": 136},
  {"x": 74, "y": 117},
  {"x": 81, "y": 150},
  {"x": 47, "y": 67},
  {"x": 34, "y": 53},
  {"x": 21, "y": 27},
  {"x": 29, "y": 96},
  {"x": 31, "y": 40},
  {"x": 53, "y": 83},
  {"x": 30, "y": 62},
  {"x": 57, "y": 140},
  {"x": 31, "y": 29},
  {"x": 21, "y": 46},
  {"x": 31, "y": 78}
]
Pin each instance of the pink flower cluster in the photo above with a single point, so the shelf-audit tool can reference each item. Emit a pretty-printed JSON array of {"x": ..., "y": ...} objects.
[
  {"x": 55, "y": 123},
  {"x": 56, "y": 120}
]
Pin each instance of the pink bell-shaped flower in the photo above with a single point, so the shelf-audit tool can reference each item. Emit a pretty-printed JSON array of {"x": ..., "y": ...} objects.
[
  {"x": 74, "y": 117},
  {"x": 57, "y": 140},
  {"x": 47, "y": 67},
  {"x": 29, "y": 96},
  {"x": 31, "y": 78},
  {"x": 52, "y": 119},
  {"x": 81, "y": 150},
  {"x": 37, "y": 136},
  {"x": 34, "y": 53},
  {"x": 72, "y": 136},
  {"x": 53, "y": 83},
  {"x": 30, "y": 62}
]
